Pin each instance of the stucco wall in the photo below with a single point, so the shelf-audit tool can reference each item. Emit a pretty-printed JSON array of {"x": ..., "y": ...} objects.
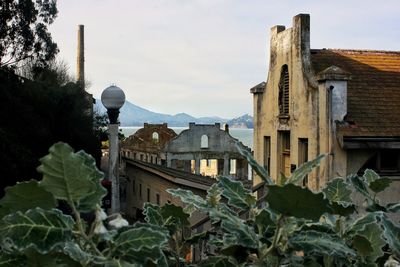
[{"x": 290, "y": 47}]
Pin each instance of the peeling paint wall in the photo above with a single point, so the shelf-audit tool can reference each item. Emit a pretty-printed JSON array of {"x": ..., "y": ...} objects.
[{"x": 291, "y": 47}]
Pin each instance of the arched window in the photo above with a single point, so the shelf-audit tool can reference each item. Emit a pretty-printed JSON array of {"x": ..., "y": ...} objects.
[
  {"x": 155, "y": 137},
  {"x": 204, "y": 141},
  {"x": 284, "y": 92}
]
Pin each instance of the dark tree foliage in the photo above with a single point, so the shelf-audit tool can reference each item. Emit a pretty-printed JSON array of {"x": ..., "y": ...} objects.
[
  {"x": 34, "y": 115},
  {"x": 24, "y": 33}
]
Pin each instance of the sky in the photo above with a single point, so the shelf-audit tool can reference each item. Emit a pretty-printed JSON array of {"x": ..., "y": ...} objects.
[{"x": 202, "y": 57}]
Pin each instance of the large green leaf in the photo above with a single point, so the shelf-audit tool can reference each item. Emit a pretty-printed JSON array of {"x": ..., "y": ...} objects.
[
  {"x": 302, "y": 171},
  {"x": 293, "y": 200},
  {"x": 380, "y": 184},
  {"x": 391, "y": 233},
  {"x": 362, "y": 245},
  {"x": 337, "y": 191},
  {"x": 76, "y": 253},
  {"x": 11, "y": 260},
  {"x": 141, "y": 244},
  {"x": 360, "y": 185},
  {"x": 236, "y": 194},
  {"x": 263, "y": 173},
  {"x": 393, "y": 207},
  {"x": 27, "y": 195},
  {"x": 152, "y": 214},
  {"x": 244, "y": 235},
  {"x": 318, "y": 243},
  {"x": 370, "y": 176},
  {"x": 373, "y": 233},
  {"x": 265, "y": 219},
  {"x": 39, "y": 229},
  {"x": 359, "y": 225},
  {"x": 89, "y": 202},
  {"x": 174, "y": 217},
  {"x": 65, "y": 174},
  {"x": 189, "y": 198}
]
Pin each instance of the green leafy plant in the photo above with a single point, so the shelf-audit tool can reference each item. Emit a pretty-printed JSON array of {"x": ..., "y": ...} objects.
[{"x": 289, "y": 226}]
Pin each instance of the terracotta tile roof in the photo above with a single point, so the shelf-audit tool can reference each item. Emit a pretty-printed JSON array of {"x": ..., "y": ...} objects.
[{"x": 373, "y": 91}]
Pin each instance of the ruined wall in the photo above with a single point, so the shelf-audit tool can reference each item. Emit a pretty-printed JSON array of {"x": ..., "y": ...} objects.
[
  {"x": 147, "y": 143},
  {"x": 208, "y": 142},
  {"x": 291, "y": 47}
]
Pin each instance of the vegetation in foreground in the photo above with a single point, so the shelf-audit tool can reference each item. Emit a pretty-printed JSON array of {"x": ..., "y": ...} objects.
[{"x": 293, "y": 226}]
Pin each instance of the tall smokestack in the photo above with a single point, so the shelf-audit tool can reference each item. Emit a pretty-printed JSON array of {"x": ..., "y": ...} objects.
[{"x": 80, "y": 66}]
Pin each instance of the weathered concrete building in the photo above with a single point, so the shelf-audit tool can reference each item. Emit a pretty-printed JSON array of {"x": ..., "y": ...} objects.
[
  {"x": 345, "y": 103},
  {"x": 148, "y": 182},
  {"x": 209, "y": 147},
  {"x": 147, "y": 143}
]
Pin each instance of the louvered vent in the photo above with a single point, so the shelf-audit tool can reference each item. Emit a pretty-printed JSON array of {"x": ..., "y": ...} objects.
[{"x": 284, "y": 92}]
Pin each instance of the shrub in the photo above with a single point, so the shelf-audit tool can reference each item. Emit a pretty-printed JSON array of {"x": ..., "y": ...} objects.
[{"x": 292, "y": 226}]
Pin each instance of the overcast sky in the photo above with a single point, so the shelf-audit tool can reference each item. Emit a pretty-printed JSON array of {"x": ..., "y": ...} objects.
[{"x": 202, "y": 57}]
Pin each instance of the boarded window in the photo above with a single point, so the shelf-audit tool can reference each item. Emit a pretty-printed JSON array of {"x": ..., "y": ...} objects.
[
  {"x": 204, "y": 141},
  {"x": 284, "y": 92},
  {"x": 284, "y": 152}
]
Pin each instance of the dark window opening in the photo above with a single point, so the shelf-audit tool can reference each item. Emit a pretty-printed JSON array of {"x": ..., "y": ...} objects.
[
  {"x": 148, "y": 194},
  {"x": 267, "y": 153},
  {"x": 158, "y": 199},
  {"x": 385, "y": 162},
  {"x": 303, "y": 156}
]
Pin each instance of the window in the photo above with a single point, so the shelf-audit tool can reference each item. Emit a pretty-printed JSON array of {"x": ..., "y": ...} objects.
[
  {"x": 158, "y": 199},
  {"x": 232, "y": 166},
  {"x": 148, "y": 194},
  {"x": 303, "y": 156},
  {"x": 204, "y": 141},
  {"x": 155, "y": 137},
  {"x": 267, "y": 153},
  {"x": 140, "y": 191},
  {"x": 284, "y": 152},
  {"x": 385, "y": 162},
  {"x": 283, "y": 100}
]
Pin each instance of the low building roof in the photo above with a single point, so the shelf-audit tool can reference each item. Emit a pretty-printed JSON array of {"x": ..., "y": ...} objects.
[
  {"x": 173, "y": 175},
  {"x": 373, "y": 91}
]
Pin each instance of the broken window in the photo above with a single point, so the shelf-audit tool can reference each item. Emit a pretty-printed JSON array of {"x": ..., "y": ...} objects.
[
  {"x": 204, "y": 141},
  {"x": 155, "y": 137},
  {"x": 283, "y": 100}
]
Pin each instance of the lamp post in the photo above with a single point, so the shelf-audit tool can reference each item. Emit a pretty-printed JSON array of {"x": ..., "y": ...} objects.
[{"x": 113, "y": 98}]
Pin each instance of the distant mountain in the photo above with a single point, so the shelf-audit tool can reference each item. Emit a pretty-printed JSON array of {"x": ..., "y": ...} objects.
[
  {"x": 133, "y": 115},
  {"x": 245, "y": 121}
]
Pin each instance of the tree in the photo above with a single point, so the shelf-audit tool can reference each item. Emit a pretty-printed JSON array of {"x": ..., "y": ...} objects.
[
  {"x": 24, "y": 33},
  {"x": 36, "y": 112}
]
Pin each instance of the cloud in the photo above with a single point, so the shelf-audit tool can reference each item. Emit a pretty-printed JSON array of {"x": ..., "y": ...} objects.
[{"x": 201, "y": 57}]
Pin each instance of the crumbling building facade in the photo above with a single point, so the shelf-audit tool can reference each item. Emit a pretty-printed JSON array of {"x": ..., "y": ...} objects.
[
  {"x": 204, "y": 148},
  {"x": 345, "y": 103},
  {"x": 147, "y": 143}
]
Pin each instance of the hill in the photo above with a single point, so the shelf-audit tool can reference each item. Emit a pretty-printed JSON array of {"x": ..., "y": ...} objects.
[
  {"x": 133, "y": 115},
  {"x": 245, "y": 121}
]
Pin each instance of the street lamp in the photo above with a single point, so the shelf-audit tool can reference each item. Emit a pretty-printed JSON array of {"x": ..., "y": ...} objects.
[{"x": 113, "y": 98}]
